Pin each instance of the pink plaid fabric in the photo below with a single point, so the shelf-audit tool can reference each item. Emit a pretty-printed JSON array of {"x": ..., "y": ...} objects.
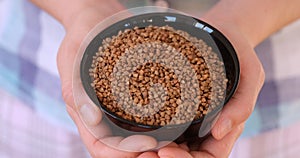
[
  {"x": 34, "y": 123},
  {"x": 26, "y": 134},
  {"x": 279, "y": 143}
]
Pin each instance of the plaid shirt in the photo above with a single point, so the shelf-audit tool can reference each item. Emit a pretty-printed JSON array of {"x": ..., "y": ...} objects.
[{"x": 34, "y": 122}]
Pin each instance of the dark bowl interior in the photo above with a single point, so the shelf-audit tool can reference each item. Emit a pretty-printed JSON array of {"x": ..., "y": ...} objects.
[{"x": 194, "y": 27}]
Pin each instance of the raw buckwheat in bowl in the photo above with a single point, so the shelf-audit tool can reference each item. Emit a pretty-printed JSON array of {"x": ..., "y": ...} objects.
[{"x": 157, "y": 72}]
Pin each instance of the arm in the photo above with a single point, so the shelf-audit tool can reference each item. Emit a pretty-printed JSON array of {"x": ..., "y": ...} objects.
[
  {"x": 256, "y": 19},
  {"x": 63, "y": 11},
  {"x": 67, "y": 11}
]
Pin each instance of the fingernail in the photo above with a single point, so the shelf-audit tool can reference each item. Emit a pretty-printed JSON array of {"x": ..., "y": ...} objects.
[
  {"x": 89, "y": 114},
  {"x": 225, "y": 128}
]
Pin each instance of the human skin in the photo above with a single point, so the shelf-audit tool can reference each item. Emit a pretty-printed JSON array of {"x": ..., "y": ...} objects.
[{"x": 244, "y": 23}]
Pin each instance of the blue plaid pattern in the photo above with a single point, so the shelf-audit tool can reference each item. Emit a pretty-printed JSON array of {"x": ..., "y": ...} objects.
[{"x": 24, "y": 60}]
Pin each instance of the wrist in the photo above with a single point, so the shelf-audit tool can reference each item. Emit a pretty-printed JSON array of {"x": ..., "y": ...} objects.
[
  {"x": 227, "y": 23},
  {"x": 68, "y": 12},
  {"x": 62, "y": 10},
  {"x": 95, "y": 10},
  {"x": 255, "y": 19}
]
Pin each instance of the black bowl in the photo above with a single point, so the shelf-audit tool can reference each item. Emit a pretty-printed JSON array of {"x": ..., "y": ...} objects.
[{"x": 194, "y": 27}]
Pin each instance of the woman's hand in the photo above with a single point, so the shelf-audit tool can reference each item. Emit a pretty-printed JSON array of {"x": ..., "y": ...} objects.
[
  {"x": 231, "y": 121},
  {"x": 87, "y": 118},
  {"x": 245, "y": 23}
]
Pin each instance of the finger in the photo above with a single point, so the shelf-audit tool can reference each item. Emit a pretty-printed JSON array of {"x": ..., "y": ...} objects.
[
  {"x": 91, "y": 116},
  {"x": 82, "y": 127},
  {"x": 137, "y": 143},
  {"x": 99, "y": 129},
  {"x": 148, "y": 155},
  {"x": 241, "y": 105},
  {"x": 96, "y": 148},
  {"x": 173, "y": 152},
  {"x": 130, "y": 144},
  {"x": 212, "y": 148},
  {"x": 167, "y": 144},
  {"x": 184, "y": 146},
  {"x": 101, "y": 133},
  {"x": 164, "y": 144}
]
